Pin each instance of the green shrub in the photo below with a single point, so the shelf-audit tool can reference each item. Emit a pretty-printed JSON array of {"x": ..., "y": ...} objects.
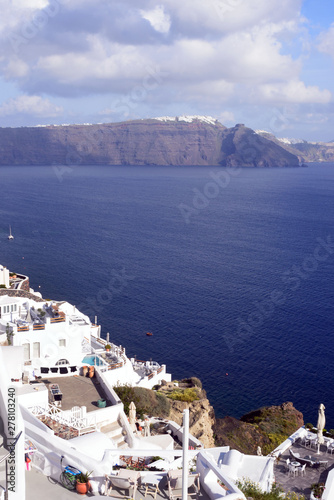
[
  {"x": 146, "y": 401},
  {"x": 193, "y": 382},
  {"x": 309, "y": 426},
  {"x": 253, "y": 490},
  {"x": 187, "y": 395}
]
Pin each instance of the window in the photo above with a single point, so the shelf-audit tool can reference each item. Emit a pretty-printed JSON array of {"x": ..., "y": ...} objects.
[
  {"x": 36, "y": 351},
  {"x": 26, "y": 351},
  {"x": 62, "y": 342},
  {"x": 13, "y": 308}
]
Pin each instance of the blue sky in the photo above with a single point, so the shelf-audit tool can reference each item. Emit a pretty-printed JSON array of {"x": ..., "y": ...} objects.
[{"x": 269, "y": 65}]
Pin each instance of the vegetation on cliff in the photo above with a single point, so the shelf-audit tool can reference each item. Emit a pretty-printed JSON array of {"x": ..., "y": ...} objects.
[
  {"x": 169, "y": 400},
  {"x": 146, "y": 401},
  {"x": 267, "y": 427}
]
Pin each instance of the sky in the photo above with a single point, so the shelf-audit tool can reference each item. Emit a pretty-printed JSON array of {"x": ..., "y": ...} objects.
[{"x": 267, "y": 64}]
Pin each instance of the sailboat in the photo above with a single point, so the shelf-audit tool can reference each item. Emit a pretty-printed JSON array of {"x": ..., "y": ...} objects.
[{"x": 10, "y": 237}]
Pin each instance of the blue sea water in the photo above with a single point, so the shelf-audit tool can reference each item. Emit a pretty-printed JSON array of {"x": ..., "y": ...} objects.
[{"x": 235, "y": 279}]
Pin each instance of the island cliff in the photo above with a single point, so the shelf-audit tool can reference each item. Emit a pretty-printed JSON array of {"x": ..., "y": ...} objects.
[
  {"x": 142, "y": 142},
  {"x": 266, "y": 427}
]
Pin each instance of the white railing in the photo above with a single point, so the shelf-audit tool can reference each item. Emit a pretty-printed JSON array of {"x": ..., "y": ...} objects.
[{"x": 76, "y": 418}]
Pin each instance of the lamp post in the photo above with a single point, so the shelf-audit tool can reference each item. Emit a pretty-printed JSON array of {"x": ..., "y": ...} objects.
[{"x": 185, "y": 447}]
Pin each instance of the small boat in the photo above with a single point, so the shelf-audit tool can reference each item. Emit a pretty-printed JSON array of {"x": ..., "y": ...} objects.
[
  {"x": 149, "y": 334},
  {"x": 10, "y": 237}
]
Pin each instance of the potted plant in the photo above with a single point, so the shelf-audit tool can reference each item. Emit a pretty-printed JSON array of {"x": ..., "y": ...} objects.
[
  {"x": 317, "y": 490},
  {"x": 107, "y": 347},
  {"x": 82, "y": 484}
]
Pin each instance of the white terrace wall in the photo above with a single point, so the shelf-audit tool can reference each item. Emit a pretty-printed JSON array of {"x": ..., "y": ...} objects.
[
  {"x": 107, "y": 387},
  {"x": 177, "y": 431},
  {"x": 16, "y": 491}
]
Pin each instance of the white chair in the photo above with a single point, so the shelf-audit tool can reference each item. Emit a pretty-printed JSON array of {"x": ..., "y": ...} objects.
[
  {"x": 330, "y": 447},
  {"x": 314, "y": 443},
  {"x": 292, "y": 470},
  {"x": 287, "y": 463},
  {"x": 301, "y": 470},
  {"x": 120, "y": 483},
  {"x": 174, "y": 479}
]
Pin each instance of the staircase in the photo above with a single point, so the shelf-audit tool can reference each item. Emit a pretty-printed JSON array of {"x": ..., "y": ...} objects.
[{"x": 114, "y": 431}]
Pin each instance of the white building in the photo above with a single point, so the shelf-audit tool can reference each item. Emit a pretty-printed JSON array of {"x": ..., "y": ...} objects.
[
  {"x": 55, "y": 339},
  {"x": 4, "y": 276}
]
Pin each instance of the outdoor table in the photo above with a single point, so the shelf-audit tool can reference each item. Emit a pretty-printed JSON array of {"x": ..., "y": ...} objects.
[
  {"x": 295, "y": 464},
  {"x": 151, "y": 482}
]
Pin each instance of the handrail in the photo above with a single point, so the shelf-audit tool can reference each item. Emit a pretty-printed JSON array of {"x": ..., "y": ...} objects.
[
  {"x": 114, "y": 366},
  {"x": 58, "y": 320},
  {"x": 39, "y": 327}
]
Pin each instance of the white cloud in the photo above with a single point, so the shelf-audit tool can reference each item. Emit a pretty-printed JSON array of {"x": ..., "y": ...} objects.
[
  {"x": 326, "y": 41},
  {"x": 294, "y": 91},
  {"x": 212, "y": 55},
  {"x": 16, "y": 68},
  {"x": 158, "y": 19},
  {"x": 226, "y": 117},
  {"x": 30, "y": 105}
]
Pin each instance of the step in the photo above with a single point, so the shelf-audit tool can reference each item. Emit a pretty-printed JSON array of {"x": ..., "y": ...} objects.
[
  {"x": 122, "y": 445},
  {"x": 114, "y": 426}
]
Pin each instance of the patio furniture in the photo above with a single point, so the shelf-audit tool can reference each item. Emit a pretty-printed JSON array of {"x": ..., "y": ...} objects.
[
  {"x": 294, "y": 455},
  {"x": 138, "y": 462},
  {"x": 126, "y": 460},
  {"x": 287, "y": 462},
  {"x": 174, "y": 480},
  {"x": 293, "y": 468},
  {"x": 301, "y": 470},
  {"x": 311, "y": 440},
  {"x": 126, "y": 480},
  {"x": 151, "y": 481},
  {"x": 322, "y": 463},
  {"x": 330, "y": 447}
]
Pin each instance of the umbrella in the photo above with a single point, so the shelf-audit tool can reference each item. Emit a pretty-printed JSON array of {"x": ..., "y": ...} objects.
[
  {"x": 320, "y": 425},
  {"x": 132, "y": 415}
]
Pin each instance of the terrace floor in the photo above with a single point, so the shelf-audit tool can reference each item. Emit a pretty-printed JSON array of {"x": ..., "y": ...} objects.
[
  {"x": 39, "y": 487},
  {"x": 302, "y": 484},
  {"x": 78, "y": 391}
]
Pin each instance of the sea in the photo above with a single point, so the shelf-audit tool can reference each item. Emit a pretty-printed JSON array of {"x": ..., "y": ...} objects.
[{"x": 232, "y": 270}]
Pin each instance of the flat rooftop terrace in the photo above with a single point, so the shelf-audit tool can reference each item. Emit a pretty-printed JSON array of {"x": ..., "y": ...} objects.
[
  {"x": 302, "y": 484},
  {"x": 40, "y": 487},
  {"x": 78, "y": 391}
]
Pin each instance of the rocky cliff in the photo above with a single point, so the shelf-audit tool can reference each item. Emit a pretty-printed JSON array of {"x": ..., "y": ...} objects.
[
  {"x": 201, "y": 413},
  {"x": 304, "y": 150},
  {"x": 266, "y": 427},
  {"x": 142, "y": 142}
]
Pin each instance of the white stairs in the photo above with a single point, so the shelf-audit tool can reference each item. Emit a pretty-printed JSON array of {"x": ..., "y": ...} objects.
[{"x": 116, "y": 433}]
